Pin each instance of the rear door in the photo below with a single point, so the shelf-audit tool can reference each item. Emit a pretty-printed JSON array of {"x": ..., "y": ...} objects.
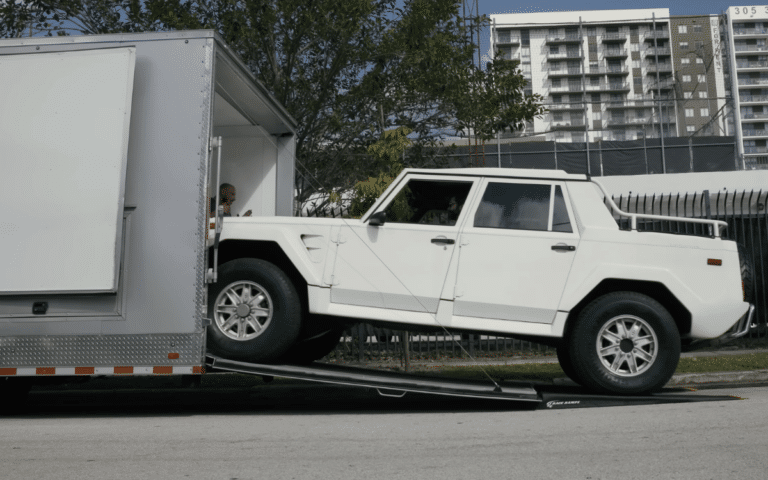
[
  {"x": 516, "y": 251},
  {"x": 64, "y": 120}
]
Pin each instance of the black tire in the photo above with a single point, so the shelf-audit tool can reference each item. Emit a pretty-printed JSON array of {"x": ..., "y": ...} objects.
[
  {"x": 314, "y": 348},
  {"x": 655, "y": 359},
  {"x": 564, "y": 358},
  {"x": 14, "y": 392},
  {"x": 233, "y": 332},
  {"x": 747, "y": 273}
]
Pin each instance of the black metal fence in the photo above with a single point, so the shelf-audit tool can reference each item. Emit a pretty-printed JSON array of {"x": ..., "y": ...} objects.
[{"x": 745, "y": 212}]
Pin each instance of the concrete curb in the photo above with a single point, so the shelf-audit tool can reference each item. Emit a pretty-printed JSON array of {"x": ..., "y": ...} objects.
[{"x": 686, "y": 379}]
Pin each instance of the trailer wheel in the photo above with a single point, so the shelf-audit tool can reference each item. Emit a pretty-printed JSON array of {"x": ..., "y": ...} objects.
[
  {"x": 564, "y": 358},
  {"x": 255, "y": 311},
  {"x": 624, "y": 343}
]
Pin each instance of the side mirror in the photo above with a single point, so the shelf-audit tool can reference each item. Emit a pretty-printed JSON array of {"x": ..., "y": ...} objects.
[{"x": 377, "y": 219}]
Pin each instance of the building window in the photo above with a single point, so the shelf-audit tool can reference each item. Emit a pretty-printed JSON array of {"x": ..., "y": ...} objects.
[
  {"x": 557, "y": 117},
  {"x": 591, "y": 31},
  {"x": 702, "y": 78},
  {"x": 699, "y": 60},
  {"x": 683, "y": 45},
  {"x": 698, "y": 29},
  {"x": 635, "y": 63},
  {"x": 687, "y": 94},
  {"x": 690, "y": 128},
  {"x": 554, "y": 49},
  {"x": 592, "y": 48},
  {"x": 595, "y": 97},
  {"x": 704, "y": 112},
  {"x": 702, "y": 94},
  {"x": 557, "y": 99},
  {"x": 699, "y": 44},
  {"x": 688, "y": 112},
  {"x": 553, "y": 32},
  {"x": 597, "y": 115},
  {"x": 685, "y": 60},
  {"x": 682, "y": 29},
  {"x": 555, "y": 82},
  {"x": 686, "y": 78},
  {"x": 594, "y": 81},
  {"x": 635, "y": 47}
]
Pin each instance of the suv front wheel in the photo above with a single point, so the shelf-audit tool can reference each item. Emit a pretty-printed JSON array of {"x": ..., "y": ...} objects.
[
  {"x": 625, "y": 343},
  {"x": 255, "y": 311}
]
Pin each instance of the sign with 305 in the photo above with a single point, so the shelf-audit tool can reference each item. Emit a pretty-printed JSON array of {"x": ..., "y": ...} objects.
[{"x": 751, "y": 11}]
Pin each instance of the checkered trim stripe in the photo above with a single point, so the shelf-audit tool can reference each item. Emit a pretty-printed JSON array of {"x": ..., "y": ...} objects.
[{"x": 116, "y": 370}]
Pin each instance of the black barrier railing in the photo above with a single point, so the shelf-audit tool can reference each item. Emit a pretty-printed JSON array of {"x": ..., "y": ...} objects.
[{"x": 745, "y": 213}]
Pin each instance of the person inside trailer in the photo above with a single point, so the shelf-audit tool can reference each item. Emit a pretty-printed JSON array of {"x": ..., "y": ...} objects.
[{"x": 227, "y": 194}]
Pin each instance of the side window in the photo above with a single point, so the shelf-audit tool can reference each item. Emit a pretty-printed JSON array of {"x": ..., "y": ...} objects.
[
  {"x": 515, "y": 206},
  {"x": 428, "y": 202},
  {"x": 560, "y": 221}
]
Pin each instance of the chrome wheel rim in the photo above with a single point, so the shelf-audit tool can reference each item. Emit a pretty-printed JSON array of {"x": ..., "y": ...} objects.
[
  {"x": 243, "y": 310},
  {"x": 627, "y": 345}
]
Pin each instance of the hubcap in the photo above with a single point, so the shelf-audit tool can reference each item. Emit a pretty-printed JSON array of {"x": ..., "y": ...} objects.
[
  {"x": 243, "y": 310},
  {"x": 627, "y": 345}
]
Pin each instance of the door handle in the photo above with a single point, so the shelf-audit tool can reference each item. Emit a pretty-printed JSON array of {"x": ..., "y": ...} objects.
[
  {"x": 443, "y": 240},
  {"x": 564, "y": 247}
]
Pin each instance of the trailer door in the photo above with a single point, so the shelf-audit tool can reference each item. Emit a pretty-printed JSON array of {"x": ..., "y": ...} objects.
[{"x": 64, "y": 121}]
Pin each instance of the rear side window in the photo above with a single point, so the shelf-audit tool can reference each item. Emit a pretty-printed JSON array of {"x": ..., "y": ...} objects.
[
  {"x": 560, "y": 221},
  {"x": 518, "y": 206}
]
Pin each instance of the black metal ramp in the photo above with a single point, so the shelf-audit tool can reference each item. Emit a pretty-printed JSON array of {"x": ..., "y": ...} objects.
[
  {"x": 387, "y": 383},
  {"x": 394, "y": 384},
  {"x": 560, "y": 397}
]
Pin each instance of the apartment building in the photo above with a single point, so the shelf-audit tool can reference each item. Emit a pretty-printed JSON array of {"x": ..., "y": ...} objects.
[
  {"x": 746, "y": 39},
  {"x": 618, "y": 74}
]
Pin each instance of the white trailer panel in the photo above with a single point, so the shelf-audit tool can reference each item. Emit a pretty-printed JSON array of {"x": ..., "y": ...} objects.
[{"x": 65, "y": 119}]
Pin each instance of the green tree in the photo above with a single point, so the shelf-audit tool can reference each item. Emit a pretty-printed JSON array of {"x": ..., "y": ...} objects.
[
  {"x": 388, "y": 152},
  {"x": 346, "y": 70}
]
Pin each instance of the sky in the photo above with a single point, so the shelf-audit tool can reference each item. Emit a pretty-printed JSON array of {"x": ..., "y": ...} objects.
[{"x": 678, "y": 7}]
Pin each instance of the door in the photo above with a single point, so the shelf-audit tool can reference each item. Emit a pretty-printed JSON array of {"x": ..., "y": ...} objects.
[
  {"x": 403, "y": 263},
  {"x": 516, "y": 251},
  {"x": 64, "y": 120}
]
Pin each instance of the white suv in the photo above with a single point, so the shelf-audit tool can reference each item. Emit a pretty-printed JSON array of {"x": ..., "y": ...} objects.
[{"x": 534, "y": 254}]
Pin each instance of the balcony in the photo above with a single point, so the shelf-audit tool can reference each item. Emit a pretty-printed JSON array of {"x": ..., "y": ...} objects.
[
  {"x": 617, "y": 70},
  {"x": 662, "y": 51},
  {"x": 659, "y": 67},
  {"x": 570, "y": 38},
  {"x": 565, "y": 72},
  {"x": 745, "y": 64},
  {"x": 749, "y": 31},
  {"x": 566, "y": 88},
  {"x": 754, "y": 116},
  {"x": 507, "y": 39},
  {"x": 621, "y": 122},
  {"x": 575, "y": 55},
  {"x": 748, "y": 132},
  {"x": 615, "y": 53},
  {"x": 614, "y": 37},
  {"x": 616, "y": 87},
  {"x": 574, "y": 124},
  {"x": 657, "y": 34},
  {"x": 753, "y": 81},
  {"x": 754, "y": 150},
  {"x": 753, "y": 99},
  {"x": 630, "y": 104},
  {"x": 750, "y": 48},
  {"x": 565, "y": 107}
]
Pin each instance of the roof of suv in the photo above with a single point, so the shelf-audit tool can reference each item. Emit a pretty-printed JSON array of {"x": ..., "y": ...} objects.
[{"x": 502, "y": 172}]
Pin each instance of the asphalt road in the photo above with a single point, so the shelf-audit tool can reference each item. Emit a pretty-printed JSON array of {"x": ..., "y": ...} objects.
[{"x": 298, "y": 432}]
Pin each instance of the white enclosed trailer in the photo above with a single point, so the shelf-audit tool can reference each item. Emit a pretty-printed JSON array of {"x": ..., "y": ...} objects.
[{"x": 108, "y": 158}]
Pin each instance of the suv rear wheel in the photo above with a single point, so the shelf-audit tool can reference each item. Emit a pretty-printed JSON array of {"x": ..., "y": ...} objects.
[{"x": 625, "y": 343}]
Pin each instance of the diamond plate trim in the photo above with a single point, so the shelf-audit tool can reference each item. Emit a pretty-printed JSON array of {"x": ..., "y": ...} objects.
[{"x": 100, "y": 350}]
